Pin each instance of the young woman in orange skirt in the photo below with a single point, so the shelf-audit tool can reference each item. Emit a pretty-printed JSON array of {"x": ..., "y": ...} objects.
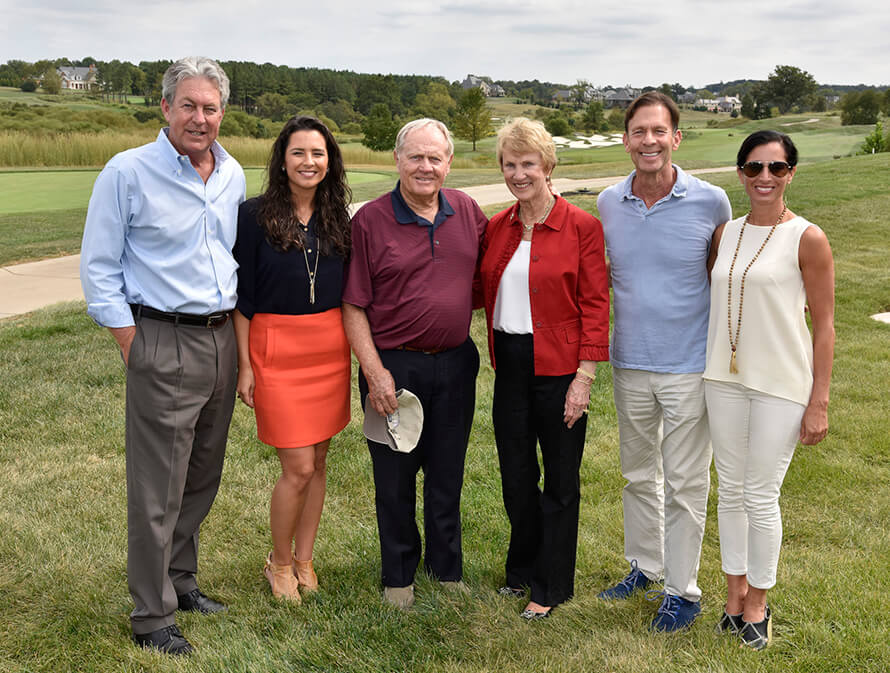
[{"x": 293, "y": 357}]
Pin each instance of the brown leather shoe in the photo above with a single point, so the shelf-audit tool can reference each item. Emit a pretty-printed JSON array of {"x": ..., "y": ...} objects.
[
  {"x": 305, "y": 574},
  {"x": 281, "y": 579}
]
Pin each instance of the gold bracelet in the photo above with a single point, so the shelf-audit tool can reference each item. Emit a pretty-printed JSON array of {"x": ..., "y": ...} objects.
[{"x": 591, "y": 377}]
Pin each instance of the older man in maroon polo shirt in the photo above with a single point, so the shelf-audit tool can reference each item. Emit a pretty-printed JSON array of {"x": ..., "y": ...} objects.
[{"x": 407, "y": 304}]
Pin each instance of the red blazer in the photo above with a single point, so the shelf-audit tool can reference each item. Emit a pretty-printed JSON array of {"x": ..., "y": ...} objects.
[{"x": 568, "y": 285}]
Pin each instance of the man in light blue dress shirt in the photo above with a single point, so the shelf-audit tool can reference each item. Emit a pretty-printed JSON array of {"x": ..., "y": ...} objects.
[
  {"x": 658, "y": 225},
  {"x": 157, "y": 270}
]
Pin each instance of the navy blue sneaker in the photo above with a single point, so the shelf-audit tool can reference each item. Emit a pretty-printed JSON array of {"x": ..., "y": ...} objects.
[
  {"x": 674, "y": 613},
  {"x": 635, "y": 581}
]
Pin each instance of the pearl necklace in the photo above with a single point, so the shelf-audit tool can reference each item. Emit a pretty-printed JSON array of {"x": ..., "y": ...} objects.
[{"x": 734, "y": 342}]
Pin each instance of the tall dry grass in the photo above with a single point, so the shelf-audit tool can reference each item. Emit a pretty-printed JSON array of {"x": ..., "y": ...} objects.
[{"x": 78, "y": 150}]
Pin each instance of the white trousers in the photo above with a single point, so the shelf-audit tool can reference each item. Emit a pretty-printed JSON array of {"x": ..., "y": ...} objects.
[
  {"x": 754, "y": 437},
  {"x": 665, "y": 458}
]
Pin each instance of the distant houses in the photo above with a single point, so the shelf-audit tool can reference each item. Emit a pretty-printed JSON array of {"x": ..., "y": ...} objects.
[
  {"x": 620, "y": 98},
  {"x": 488, "y": 89},
  {"x": 721, "y": 104},
  {"x": 78, "y": 79}
]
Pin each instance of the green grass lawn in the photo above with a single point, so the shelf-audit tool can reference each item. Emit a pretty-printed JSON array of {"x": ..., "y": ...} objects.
[{"x": 65, "y": 604}]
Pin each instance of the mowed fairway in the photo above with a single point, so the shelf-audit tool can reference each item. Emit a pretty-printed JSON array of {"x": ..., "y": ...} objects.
[
  {"x": 65, "y": 604},
  {"x": 34, "y": 191}
]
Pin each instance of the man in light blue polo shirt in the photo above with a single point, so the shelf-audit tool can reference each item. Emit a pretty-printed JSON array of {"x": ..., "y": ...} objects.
[
  {"x": 157, "y": 270},
  {"x": 658, "y": 225}
]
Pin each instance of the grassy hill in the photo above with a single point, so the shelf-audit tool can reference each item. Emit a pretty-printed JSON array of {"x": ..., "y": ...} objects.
[{"x": 63, "y": 516}]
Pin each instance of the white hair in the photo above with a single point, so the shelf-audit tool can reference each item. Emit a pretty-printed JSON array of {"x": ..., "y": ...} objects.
[
  {"x": 195, "y": 66},
  {"x": 418, "y": 124}
]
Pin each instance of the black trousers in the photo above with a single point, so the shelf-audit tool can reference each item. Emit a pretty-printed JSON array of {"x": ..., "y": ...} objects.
[
  {"x": 528, "y": 409},
  {"x": 445, "y": 383}
]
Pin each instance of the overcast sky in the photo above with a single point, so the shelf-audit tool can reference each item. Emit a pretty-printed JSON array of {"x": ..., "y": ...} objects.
[{"x": 693, "y": 42}]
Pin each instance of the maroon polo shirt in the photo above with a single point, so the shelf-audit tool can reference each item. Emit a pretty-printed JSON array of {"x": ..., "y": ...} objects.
[{"x": 414, "y": 278}]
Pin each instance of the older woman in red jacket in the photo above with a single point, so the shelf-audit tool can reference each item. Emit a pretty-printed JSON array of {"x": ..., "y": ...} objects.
[{"x": 546, "y": 295}]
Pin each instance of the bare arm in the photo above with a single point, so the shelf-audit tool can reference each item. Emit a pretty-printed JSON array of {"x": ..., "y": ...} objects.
[
  {"x": 715, "y": 246},
  {"x": 124, "y": 337},
  {"x": 817, "y": 267},
  {"x": 246, "y": 380},
  {"x": 381, "y": 387}
]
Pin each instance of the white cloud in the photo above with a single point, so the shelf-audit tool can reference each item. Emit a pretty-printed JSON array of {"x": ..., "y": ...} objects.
[{"x": 687, "y": 41}]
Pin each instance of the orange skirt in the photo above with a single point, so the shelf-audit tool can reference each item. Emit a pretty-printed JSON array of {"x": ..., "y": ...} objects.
[{"x": 302, "y": 369}]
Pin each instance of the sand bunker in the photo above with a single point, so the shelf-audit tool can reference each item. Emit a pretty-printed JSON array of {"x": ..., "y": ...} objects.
[{"x": 581, "y": 142}]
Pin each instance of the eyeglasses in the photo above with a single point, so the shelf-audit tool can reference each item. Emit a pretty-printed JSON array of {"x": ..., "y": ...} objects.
[{"x": 754, "y": 168}]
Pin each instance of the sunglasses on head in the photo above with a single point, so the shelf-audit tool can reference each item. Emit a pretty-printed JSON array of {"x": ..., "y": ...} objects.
[{"x": 754, "y": 168}]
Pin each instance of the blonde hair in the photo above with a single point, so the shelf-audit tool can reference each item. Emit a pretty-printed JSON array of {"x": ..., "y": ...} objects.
[{"x": 524, "y": 135}]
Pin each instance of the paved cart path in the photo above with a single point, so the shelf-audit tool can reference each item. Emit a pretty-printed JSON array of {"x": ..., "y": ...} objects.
[{"x": 34, "y": 285}]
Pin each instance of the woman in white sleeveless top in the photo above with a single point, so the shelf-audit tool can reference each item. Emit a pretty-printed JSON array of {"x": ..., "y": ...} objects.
[{"x": 767, "y": 377}]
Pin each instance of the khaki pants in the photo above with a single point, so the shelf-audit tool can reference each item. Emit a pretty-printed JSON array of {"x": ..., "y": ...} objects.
[{"x": 665, "y": 457}]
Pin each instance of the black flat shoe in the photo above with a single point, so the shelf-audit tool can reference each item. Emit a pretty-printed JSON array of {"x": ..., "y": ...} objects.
[
  {"x": 757, "y": 635},
  {"x": 510, "y": 592},
  {"x": 196, "y": 601},
  {"x": 168, "y": 640}
]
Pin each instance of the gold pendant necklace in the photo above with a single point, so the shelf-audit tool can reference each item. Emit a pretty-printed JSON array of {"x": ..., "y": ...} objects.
[
  {"x": 528, "y": 228},
  {"x": 734, "y": 342},
  {"x": 311, "y": 272}
]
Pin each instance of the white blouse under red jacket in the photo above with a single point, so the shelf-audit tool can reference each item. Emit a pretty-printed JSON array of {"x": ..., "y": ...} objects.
[{"x": 568, "y": 285}]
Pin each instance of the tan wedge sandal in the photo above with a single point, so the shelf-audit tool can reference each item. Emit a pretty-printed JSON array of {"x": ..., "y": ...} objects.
[
  {"x": 281, "y": 578},
  {"x": 305, "y": 575}
]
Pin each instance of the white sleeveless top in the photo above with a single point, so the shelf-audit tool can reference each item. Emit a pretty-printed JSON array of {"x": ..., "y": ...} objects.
[{"x": 774, "y": 353}]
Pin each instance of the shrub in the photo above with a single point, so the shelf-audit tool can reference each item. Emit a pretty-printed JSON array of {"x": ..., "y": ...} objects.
[{"x": 29, "y": 86}]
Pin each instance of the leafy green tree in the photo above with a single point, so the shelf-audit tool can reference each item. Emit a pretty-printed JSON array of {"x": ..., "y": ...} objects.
[
  {"x": 273, "y": 106},
  {"x": 762, "y": 94},
  {"x": 667, "y": 90},
  {"x": 579, "y": 93},
  {"x": 875, "y": 141},
  {"x": 816, "y": 102},
  {"x": 472, "y": 119},
  {"x": 29, "y": 85},
  {"x": 52, "y": 81},
  {"x": 557, "y": 125},
  {"x": 341, "y": 111},
  {"x": 860, "y": 107},
  {"x": 436, "y": 102},
  {"x": 379, "y": 128},
  {"x": 594, "y": 118},
  {"x": 886, "y": 103},
  {"x": 749, "y": 109},
  {"x": 789, "y": 86},
  {"x": 615, "y": 120}
]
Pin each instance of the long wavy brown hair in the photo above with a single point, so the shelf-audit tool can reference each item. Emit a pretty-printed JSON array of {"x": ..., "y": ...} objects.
[{"x": 331, "y": 203}]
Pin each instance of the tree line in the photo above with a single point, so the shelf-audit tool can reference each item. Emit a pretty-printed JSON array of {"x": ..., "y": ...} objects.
[{"x": 375, "y": 105}]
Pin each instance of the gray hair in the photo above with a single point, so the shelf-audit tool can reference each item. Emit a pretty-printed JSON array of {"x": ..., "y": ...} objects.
[
  {"x": 418, "y": 124},
  {"x": 195, "y": 66}
]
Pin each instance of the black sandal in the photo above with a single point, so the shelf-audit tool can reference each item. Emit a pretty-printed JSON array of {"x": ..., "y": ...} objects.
[{"x": 757, "y": 635}]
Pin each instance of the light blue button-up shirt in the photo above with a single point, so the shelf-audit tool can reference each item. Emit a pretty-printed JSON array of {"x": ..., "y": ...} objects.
[
  {"x": 658, "y": 259},
  {"x": 156, "y": 234}
]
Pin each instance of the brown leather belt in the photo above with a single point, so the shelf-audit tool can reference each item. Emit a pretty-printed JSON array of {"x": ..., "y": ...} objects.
[
  {"x": 211, "y": 321},
  {"x": 416, "y": 349}
]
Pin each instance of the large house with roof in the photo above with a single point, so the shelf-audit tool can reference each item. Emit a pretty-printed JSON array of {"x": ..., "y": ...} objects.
[
  {"x": 77, "y": 78},
  {"x": 487, "y": 89}
]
